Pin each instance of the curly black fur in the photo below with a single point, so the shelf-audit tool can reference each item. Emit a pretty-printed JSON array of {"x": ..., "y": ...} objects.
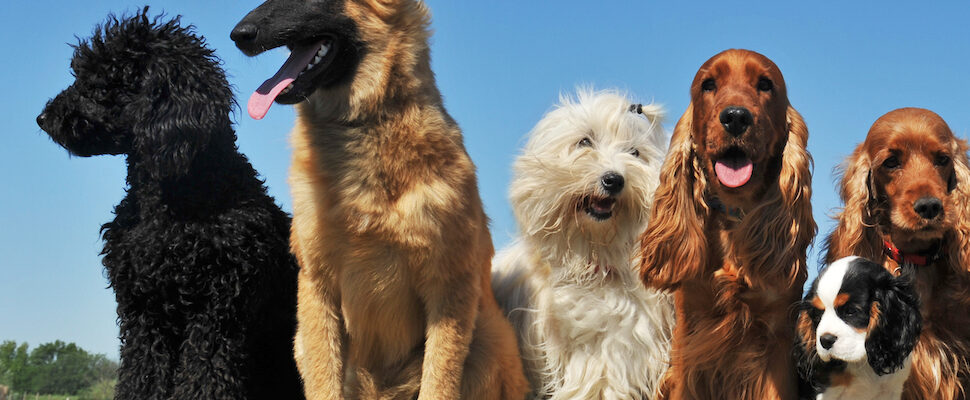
[{"x": 198, "y": 253}]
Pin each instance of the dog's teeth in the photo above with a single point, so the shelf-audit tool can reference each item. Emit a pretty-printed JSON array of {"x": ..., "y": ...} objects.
[{"x": 317, "y": 59}]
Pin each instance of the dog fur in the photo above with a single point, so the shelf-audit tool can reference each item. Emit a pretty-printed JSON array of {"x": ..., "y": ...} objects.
[
  {"x": 197, "y": 253},
  {"x": 587, "y": 328},
  {"x": 395, "y": 299}
]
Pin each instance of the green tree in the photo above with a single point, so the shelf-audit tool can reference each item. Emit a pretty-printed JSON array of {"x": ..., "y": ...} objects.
[
  {"x": 14, "y": 371},
  {"x": 60, "y": 367}
]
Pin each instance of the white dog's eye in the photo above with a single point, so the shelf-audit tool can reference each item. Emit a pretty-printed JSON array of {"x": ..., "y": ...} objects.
[
  {"x": 635, "y": 153},
  {"x": 585, "y": 142}
]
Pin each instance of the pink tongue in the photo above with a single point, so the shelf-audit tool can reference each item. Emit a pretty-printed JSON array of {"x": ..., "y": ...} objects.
[
  {"x": 733, "y": 173},
  {"x": 262, "y": 99}
]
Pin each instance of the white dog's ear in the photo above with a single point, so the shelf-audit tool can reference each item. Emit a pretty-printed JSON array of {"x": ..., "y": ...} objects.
[{"x": 653, "y": 112}]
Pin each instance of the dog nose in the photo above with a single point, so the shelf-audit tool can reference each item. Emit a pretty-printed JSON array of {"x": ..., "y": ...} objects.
[
  {"x": 612, "y": 183},
  {"x": 928, "y": 207},
  {"x": 41, "y": 119},
  {"x": 244, "y": 32},
  {"x": 735, "y": 120},
  {"x": 827, "y": 340}
]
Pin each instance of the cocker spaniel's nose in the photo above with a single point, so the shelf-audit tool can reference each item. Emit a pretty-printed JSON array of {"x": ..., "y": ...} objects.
[
  {"x": 736, "y": 120},
  {"x": 612, "y": 183},
  {"x": 827, "y": 340},
  {"x": 928, "y": 207},
  {"x": 244, "y": 32}
]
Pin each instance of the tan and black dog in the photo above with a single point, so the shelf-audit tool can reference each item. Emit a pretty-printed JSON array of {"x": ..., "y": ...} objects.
[{"x": 394, "y": 293}]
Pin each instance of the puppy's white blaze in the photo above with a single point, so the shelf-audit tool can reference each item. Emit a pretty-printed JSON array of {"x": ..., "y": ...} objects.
[{"x": 850, "y": 344}]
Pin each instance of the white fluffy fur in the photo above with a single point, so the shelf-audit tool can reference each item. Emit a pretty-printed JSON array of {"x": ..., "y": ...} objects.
[{"x": 587, "y": 327}]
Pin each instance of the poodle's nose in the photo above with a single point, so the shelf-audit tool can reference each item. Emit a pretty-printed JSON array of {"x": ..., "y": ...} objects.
[
  {"x": 827, "y": 340},
  {"x": 244, "y": 32},
  {"x": 928, "y": 207},
  {"x": 612, "y": 183},
  {"x": 41, "y": 119},
  {"x": 736, "y": 120}
]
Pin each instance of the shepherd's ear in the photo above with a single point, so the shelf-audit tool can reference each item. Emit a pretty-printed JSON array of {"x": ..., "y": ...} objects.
[{"x": 183, "y": 103}]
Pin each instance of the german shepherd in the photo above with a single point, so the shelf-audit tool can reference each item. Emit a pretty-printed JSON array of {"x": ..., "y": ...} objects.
[{"x": 395, "y": 300}]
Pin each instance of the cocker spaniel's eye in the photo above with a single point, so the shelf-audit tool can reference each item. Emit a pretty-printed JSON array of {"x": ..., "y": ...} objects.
[
  {"x": 891, "y": 163},
  {"x": 709, "y": 85},
  {"x": 765, "y": 84},
  {"x": 635, "y": 153},
  {"x": 942, "y": 160},
  {"x": 585, "y": 142}
]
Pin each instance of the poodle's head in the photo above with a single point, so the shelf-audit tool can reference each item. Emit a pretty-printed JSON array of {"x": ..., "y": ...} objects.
[
  {"x": 143, "y": 87},
  {"x": 584, "y": 183}
]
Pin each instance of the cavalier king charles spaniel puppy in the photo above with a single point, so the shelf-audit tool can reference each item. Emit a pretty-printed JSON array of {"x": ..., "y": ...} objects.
[{"x": 857, "y": 327}]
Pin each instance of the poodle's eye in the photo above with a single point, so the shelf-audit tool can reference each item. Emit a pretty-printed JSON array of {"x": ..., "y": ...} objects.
[
  {"x": 585, "y": 142},
  {"x": 708, "y": 85},
  {"x": 942, "y": 160},
  {"x": 765, "y": 84},
  {"x": 891, "y": 163},
  {"x": 635, "y": 153}
]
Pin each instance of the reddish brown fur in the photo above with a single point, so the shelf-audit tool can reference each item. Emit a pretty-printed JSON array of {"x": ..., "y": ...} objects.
[
  {"x": 735, "y": 282},
  {"x": 879, "y": 205}
]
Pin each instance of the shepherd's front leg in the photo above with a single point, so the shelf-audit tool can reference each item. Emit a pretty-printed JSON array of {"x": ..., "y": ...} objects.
[{"x": 451, "y": 302}]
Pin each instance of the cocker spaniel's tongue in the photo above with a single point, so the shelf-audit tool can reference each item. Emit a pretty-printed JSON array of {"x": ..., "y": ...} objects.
[
  {"x": 264, "y": 96},
  {"x": 733, "y": 171}
]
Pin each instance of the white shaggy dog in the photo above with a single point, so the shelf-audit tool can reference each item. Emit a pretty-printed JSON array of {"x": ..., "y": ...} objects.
[{"x": 582, "y": 193}]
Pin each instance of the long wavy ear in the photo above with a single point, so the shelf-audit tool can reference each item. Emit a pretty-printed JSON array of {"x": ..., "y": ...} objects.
[
  {"x": 674, "y": 247},
  {"x": 778, "y": 232},
  {"x": 184, "y": 101},
  {"x": 855, "y": 233},
  {"x": 897, "y": 323},
  {"x": 958, "y": 240}
]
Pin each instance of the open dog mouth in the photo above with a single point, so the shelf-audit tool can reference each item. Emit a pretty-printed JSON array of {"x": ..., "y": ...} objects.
[
  {"x": 733, "y": 168},
  {"x": 600, "y": 208},
  {"x": 294, "y": 80}
]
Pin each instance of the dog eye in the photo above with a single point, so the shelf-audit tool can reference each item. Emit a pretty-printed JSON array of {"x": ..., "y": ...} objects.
[
  {"x": 891, "y": 163},
  {"x": 585, "y": 142},
  {"x": 635, "y": 153},
  {"x": 942, "y": 160},
  {"x": 708, "y": 85},
  {"x": 765, "y": 84}
]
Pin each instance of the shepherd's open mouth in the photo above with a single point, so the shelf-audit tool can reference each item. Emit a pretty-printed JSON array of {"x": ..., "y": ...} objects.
[{"x": 295, "y": 79}]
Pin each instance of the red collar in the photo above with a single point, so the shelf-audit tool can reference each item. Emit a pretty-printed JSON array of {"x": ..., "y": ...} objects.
[{"x": 918, "y": 259}]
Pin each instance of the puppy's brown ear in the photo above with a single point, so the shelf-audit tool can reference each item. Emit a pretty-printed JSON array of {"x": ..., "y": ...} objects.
[
  {"x": 673, "y": 248},
  {"x": 854, "y": 234}
]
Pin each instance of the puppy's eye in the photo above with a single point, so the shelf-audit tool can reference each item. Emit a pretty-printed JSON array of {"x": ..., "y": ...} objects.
[
  {"x": 891, "y": 163},
  {"x": 765, "y": 84},
  {"x": 635, "y": 153},
  {"x": 585, "y": 142},
  {"x": 942, "y": 160},
  {"x": 708, "y": 85}
]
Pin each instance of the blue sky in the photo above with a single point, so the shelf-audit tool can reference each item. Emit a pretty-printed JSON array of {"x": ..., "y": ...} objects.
[{"x": 500, "y": 65}]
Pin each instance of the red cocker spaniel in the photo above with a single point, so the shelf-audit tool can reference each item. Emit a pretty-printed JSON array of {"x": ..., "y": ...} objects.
[
  {"x": 731, "y": 223},
  {"x": 907, "y": 205}
]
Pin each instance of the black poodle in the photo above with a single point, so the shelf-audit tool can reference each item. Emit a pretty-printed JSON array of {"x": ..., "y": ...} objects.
[{"x": 197, "y": 253}]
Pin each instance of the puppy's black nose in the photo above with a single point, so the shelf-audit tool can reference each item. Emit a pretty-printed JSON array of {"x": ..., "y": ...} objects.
[
  {"x": 928, "y": 207},
  {"x": 244, "y": 32},
  {"x": 827, "y": 340},
  {"x": 41, "y": 119},
  {"x": 612, "y": 183},
  {"x": 736, "y": 120}
]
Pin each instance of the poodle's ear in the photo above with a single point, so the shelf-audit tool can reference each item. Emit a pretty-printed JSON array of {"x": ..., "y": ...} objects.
[
  {"x": 895, "y": 323},
  {"x": 854, "y": 234},
  {"x": 674, "y": 247},
  {"x": 184, "y": 102},
  {"x": 958, "y": 239}
]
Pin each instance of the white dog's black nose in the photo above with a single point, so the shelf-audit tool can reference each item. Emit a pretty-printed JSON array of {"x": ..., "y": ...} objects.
[
  {"x": 612, "y": 183},
  {"x": 827, "y": 340}
]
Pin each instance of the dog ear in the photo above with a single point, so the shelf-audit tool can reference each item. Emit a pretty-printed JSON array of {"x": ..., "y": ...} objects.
[
  {"x": 895, "y": 323},
  {"x": 957, "y": 239},
  {"x": 853, "y": 235},
  {"x": 674, "y": 247},
  {"x": 184, "y": 102}
]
